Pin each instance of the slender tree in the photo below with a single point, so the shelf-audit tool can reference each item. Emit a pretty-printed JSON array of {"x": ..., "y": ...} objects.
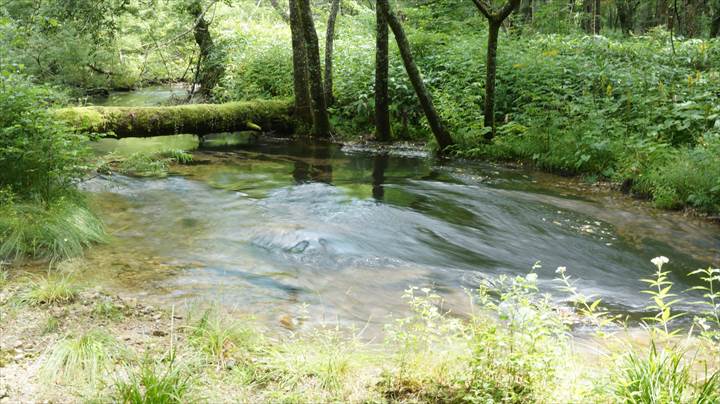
[
  {"x": 321, "y": 121},
  {"x": 495, "y": 20},
  {"x": 715, "y": 19},
  {"x": 329, "y": 41},
  {"x": 209, "y": 69},
  {"x": 438, "y": 128},
  {"x": 301, "y": 84},
  {"x": 382, "y": 96}
]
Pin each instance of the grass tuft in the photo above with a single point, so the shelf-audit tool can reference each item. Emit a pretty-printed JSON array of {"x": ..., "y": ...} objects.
[
  {"x": 83, "y": 359},
  {"x": 220, "y": 339},
  {"x": 60, "y": 229},
  {"x": 53, "y": 289},
  {"x": 154, "y": 384}
]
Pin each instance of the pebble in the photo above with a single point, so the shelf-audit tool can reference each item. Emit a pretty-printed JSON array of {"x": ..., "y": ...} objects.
[
  {"x": 230, "y": 364},
  {"x": 159, "y": 333}
]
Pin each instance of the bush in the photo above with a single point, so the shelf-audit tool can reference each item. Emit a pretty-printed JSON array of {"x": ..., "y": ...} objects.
[{"x": 43, "y": 216}]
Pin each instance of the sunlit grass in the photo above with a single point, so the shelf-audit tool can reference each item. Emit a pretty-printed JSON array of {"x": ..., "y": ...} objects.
[
  {"x": 154, "y": 383},
  {"x": 49, "y": 290},
  {"x": 61, "y": 229},
  {"x": 221, "y": 338},
  {"x": 83, "y": 359}
]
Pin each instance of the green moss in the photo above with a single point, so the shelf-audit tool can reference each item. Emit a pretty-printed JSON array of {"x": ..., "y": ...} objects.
[{"x": 200, "y": 119}]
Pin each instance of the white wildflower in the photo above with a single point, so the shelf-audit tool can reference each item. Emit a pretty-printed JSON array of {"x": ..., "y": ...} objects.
[{"x": 660, "y": 261}]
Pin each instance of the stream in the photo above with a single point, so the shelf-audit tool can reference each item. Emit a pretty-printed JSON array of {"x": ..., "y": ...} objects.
[{"x": 333, "y": 233}]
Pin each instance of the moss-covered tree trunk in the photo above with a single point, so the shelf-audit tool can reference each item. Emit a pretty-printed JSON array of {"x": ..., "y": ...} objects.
[
  {"x": 329, "y": 42},
  {"x": 197, "y": 119},
  {"x": 321, "y": 121},
  {"x": 438, "y": 128},
  {"x": 495, "y": 20},
  {"x": 209, "y": 70},
  {"x": 301, "y": 84},
  {"x": 382, "y": 96}
]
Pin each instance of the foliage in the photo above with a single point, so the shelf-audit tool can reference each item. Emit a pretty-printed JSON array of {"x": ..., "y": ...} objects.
[{"x": 39, "y": 157}]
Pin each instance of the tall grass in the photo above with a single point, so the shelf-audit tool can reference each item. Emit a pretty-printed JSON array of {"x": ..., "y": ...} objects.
[{"x": 59, "y": 229}]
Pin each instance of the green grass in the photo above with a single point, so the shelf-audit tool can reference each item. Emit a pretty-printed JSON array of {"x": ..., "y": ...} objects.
[
  {"x": 144, "y": 165},
  {"x": 52, "y": 324},
  {"x": 220, "y": 338},
  {"x": 50, "y": 290},
  {"x": 83, "y": 359},
  {"x": 61, "y": 229},
  {"x": 154, "y": 383},
  {"x": 664, "y": 376},
  {"x": 106, "y": 309}
]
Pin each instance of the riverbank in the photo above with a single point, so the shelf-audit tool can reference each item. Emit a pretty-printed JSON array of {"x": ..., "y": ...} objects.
[{"x": 65, "y": 343}]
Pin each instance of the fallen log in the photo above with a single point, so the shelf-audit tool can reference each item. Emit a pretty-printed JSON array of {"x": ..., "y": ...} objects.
[{"x": 197, "y": 119}]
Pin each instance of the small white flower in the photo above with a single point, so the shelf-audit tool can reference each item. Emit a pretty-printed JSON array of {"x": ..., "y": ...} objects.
[
  {"x": 560, "y": 270},
  {"x": 703, "y": 323},
  {"x": 425, "y": 290},
  {"x": 531, "y": 277},
  {"x": 660, "y": 261}
]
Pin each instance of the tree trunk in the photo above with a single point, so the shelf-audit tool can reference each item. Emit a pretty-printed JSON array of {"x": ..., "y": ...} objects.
[
  {"x": 329, "y": 41},
  {"x": 491, "y": 68},
  {"x": 301, "y": 85},
  {"x": 321, "y": 122},
  {"x": 196, "y": 119},
  {"x": 441, "y": 134},
  {"x": 208, "y": 71},
  {"x": 382, "y": 96},
  {"x": 715, "y": 24},
  {"x": 587, "y": 16}
]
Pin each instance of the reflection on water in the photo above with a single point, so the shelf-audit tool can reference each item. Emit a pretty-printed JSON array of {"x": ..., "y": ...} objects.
[{"x": 271, "y": 226}]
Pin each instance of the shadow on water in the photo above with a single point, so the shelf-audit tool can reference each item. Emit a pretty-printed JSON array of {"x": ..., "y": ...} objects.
[{"x": 271, "y": 225}]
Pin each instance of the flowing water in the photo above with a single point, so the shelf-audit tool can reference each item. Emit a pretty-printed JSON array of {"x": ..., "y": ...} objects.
[
  {"x": 280, "y": 229},
  {"x": 274, "y": 226}
]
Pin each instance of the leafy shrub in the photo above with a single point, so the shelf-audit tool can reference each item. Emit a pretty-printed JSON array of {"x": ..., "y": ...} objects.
[{"x": 39, "y": 157}]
